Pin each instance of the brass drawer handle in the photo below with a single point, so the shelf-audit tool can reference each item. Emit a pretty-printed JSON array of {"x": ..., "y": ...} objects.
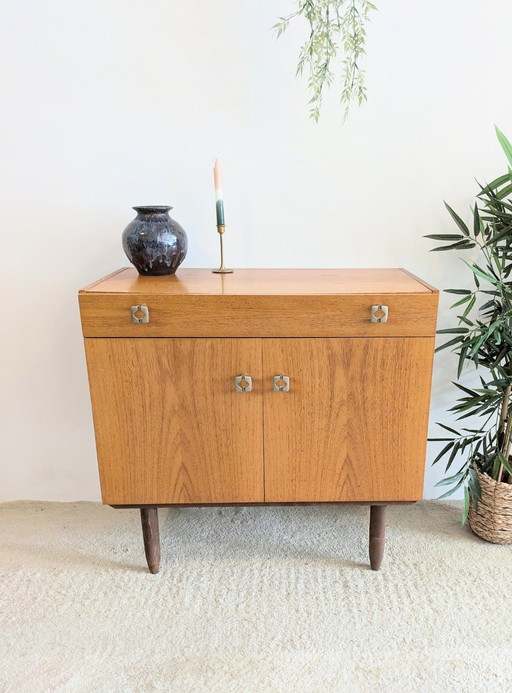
[
  {"x": 243, "y": 383},
  {"x": 281, "y": 383},
  {"x": 379, "y": 314},
  {"x": 140, "y": 314}
]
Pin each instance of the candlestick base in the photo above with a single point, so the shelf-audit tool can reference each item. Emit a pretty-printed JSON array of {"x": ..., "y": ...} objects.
[{"x": 222, "y": 270}]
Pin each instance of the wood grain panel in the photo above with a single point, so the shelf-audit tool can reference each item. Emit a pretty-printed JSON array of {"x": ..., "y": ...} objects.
[
  {"x": 353, "y": 426},
  {"x": 343, "y": 315},
  {"x": 263, "y": 282},
  {"x": 170, "y": 427}
]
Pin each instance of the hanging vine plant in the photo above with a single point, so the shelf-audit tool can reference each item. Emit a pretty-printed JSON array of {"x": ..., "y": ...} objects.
[{"x": 336, "y": 27}]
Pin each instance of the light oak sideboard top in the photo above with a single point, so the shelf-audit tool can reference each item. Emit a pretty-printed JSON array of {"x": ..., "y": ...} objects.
[
  {"x": 319, "y": 303},
  {"x": 265, "y": 281}
]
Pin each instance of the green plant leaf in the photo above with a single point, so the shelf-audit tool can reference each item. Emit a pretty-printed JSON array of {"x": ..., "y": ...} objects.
[
  {"x": 505, "y": 144},
  {"x": 477, "y": 222},
  {"x": 453, "y": 454},
  {"x": 462, "y": 226},
  {"x": 464, "y": 319},
  {"x": 500, "y": 236},
  {"x": 504, "y": 192},
  {"x": 463, "y": 300},
  {"x": 503, "y": 461},
  {"x": 481, "y": 273},
  {"x": 444, "y": 451},
  {"x": 451, "y": 491},
  {"x": 465, "y": 512},
  {"x": 447, "y": 428},
  {"x": 488, "y": 304},
  {"x": 451, "y": 342},
  {"x": 474, "y": 487},
  {"x": 461, "y": 245},
  {"x": 469, "y": 307},
  {"x": 445, "y": 236},
  {"x": 450, "y": 479},
  {"x": 462, "y": 359},
  {"x": 465, "y": 389},
  {"x": 496, "y": 184}
]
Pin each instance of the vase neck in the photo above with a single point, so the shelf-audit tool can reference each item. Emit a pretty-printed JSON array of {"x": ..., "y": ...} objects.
[{"x": 151, "y": 210}]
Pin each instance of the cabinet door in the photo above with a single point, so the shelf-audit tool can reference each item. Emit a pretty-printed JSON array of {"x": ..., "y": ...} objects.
[
  {"x": 353, "y": 426},
  {"x": 170, "y": 427}
]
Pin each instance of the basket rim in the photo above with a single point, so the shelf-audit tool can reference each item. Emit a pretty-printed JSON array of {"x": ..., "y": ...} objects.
[{"x": 489, "y": 478}]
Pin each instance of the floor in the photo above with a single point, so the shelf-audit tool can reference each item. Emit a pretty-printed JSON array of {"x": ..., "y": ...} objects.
[{"x": 251, "y": 600}]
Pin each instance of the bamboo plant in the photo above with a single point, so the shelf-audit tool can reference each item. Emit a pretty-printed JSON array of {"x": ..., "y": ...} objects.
[{"x": 482, "y": 335}]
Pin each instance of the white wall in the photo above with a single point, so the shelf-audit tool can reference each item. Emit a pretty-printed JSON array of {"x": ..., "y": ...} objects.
[{"x": 107, "y": 104}]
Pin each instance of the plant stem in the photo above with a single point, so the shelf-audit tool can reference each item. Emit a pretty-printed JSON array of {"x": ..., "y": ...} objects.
[
  {"x": 505, "y": 422},
  {"x": 506, "y": 451},
  {"x": 504, "y": 406}
]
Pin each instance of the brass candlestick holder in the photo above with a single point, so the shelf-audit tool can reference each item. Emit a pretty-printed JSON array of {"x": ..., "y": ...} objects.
[{"x": 222, "y": 270}]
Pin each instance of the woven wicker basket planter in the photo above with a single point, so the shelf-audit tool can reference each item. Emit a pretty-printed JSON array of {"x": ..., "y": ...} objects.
[{"x": 493, "y": 520}]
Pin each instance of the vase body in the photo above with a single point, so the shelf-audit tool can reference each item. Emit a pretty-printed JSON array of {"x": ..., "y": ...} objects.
[
  {"x": 153, "y": 242},
  {"x": 492, "y": 520}
]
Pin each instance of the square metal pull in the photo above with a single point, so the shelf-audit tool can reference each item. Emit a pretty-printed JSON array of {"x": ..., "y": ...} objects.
[
  {"x": 243, "y": 383},
  {"x": 379, "y": 314},
  {"x": 140, "y": 314},
  {"x": 281, "y": 383}
]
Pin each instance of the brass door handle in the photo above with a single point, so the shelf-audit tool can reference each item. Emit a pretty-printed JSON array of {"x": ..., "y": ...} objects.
[
  {"x": 281, "y": 383},
  {"x": 243, "y": 383}
]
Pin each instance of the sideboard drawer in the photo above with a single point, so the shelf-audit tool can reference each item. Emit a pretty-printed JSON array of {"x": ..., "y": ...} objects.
[{"x": 341, "y": 315}]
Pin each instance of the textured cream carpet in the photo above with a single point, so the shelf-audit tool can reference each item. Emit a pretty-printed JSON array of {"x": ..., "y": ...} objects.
[{"x": 249, "y": 600}]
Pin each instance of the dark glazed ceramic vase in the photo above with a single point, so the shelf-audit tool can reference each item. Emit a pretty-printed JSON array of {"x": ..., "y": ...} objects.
[{"x": 153, "y": 242}]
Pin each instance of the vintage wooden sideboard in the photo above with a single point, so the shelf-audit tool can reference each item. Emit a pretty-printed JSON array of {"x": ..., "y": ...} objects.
[{"x": 260, "y": 387}]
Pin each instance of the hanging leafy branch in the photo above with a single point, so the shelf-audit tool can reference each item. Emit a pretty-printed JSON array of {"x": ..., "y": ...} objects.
[
  {"x": 484, "y": 337},
  {"x": 336, "y": 26}
]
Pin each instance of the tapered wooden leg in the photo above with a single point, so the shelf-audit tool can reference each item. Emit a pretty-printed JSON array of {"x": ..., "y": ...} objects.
[
  {"x": 151, "y": 534},
  {"x": 377, "y": 534}
]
